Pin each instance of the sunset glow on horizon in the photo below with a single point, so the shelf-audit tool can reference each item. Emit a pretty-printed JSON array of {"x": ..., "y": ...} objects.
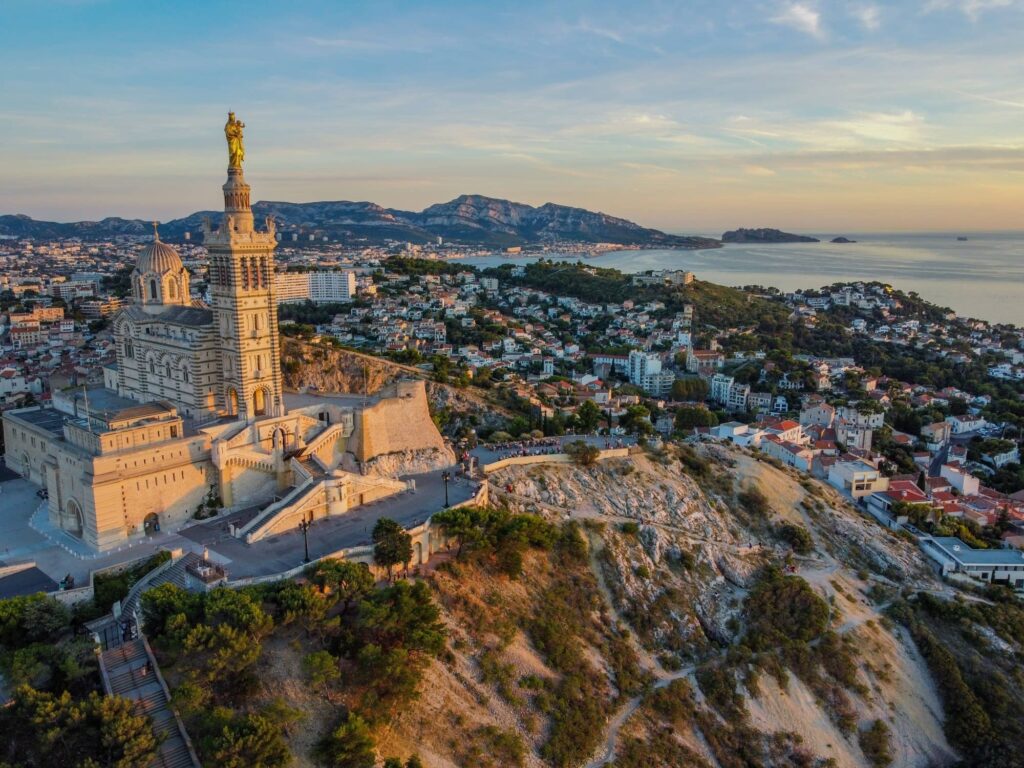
[{"x": 822, "y": 115}]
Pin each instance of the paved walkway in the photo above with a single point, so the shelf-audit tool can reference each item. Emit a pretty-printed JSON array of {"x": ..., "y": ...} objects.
[
  {"x": 279, "y": 553},
  {"x": 27, "y": 534}
]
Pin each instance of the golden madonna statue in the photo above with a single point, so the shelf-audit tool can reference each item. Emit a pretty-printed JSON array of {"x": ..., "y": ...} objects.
[{"x": 233, "y": 133}]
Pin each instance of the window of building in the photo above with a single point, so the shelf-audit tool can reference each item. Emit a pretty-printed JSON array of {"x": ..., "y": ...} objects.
[{"x": 152, "y": 289}]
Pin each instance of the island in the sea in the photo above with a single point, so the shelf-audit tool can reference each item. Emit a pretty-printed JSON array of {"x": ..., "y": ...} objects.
[
  {"x": 842, "y": 240},
  {"x": 765, "y": 236}
]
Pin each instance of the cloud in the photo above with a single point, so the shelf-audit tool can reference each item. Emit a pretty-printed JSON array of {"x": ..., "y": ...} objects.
[
  {"x": 588, "y": 27},
  {"x": 971, "y": 8},
  {"x": 868, "y": 15},
  {"x": 801, "y": 16},
  {"x": 901, "y": 127},
  {"x": 980, "y": 159}
]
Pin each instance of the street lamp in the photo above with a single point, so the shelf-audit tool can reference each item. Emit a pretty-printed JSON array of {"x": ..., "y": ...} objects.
[
  {"x": 446, "y": 476},
  {"x": 304, "y": 526}
]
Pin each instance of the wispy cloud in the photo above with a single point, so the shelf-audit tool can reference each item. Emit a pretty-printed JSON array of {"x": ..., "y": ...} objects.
[
  {"x": 971, "y": 8},
  {"x": 868, "y": 15},
  {"x": 590, "y": 28},
  {"x": 801, "y": 16}
]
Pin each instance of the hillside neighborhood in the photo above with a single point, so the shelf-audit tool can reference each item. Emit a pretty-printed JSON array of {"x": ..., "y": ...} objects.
[{"x": 571, "y": 347}]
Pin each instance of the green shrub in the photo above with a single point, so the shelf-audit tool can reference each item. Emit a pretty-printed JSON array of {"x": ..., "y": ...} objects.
[
  {"x": 798, "y": 537},
  {"x": 754, "y": 501},
  {"x": 875, "y": 743},
  {"x": 350, "y": 745},
  {"x": 629, "y": 528},
  {"x": 781, "y": 609}
]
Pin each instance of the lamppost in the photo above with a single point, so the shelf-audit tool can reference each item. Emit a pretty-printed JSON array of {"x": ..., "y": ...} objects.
[
  {"x": 446, "y": 476},
  {"x": 304, "y": 526}
]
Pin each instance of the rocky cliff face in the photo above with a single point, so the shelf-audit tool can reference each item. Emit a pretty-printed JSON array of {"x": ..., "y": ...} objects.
[
  {"x": 312, "y": 367},
  {"x": 326, "y": 369}
]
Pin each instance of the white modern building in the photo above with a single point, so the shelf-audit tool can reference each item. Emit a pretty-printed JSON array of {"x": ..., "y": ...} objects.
[
  {"x": 992, "y": 565},
  {"x": 320, "y": 287}
]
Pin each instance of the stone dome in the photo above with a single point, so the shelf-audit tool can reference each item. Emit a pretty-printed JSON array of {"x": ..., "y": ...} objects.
[{"x": 160, "y": 258}]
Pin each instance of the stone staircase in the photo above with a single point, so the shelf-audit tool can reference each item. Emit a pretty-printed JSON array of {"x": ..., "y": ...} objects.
[
  {"x": 174, "y": 574},
  {"x": 110, "y": 631},
  {"x": 131, "y": 671},
  {"x": 312, "y": 466}
]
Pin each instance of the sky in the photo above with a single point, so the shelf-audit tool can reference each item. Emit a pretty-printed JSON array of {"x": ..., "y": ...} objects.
[{"x": 690, "y": 116}]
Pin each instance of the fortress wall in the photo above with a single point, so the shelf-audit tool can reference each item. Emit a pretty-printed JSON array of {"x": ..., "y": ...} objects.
[
  {"x": 251, "y": 486},
  {"x": 399, "y": 424}
]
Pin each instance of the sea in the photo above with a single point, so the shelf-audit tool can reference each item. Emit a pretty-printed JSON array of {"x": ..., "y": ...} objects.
[{"x": 980, "y": 277}]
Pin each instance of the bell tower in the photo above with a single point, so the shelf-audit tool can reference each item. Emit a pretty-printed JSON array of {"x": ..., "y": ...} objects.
[{"x": 242, "y": 296}]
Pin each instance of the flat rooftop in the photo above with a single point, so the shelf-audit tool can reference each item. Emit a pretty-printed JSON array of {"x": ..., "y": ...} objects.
[
  {"x": 26, "y": 582},
  {"x": 967, "y": 555},
  {"x": 45, "y": 418}
]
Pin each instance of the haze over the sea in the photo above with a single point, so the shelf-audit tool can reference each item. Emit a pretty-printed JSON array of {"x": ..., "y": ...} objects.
[{"x": 982, "y": 277}]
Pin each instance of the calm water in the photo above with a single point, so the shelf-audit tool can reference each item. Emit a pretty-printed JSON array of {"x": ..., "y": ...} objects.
[{"x": 982, "y": 277}]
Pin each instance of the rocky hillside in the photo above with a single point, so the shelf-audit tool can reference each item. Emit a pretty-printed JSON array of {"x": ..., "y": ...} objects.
[
  {"x": 683, "y": 554},
  {"x": 471, "y": 219},
  {"x": 323, "y": 368},
  {"x": 696, "y": 608}
]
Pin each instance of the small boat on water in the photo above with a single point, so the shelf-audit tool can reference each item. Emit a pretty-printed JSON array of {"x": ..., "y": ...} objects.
[{"x": 962, "y": 239}]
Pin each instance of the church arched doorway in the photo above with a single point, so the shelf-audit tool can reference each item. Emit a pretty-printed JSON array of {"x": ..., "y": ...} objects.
[
  {"x": 279, "y": 439},
  {"x": 259, "y": 402},
  {"x": 151, "y": 523},
  {"x": 71, "y": 521}
]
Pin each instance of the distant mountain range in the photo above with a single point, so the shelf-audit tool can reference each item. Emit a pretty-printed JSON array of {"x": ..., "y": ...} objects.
[{"x": 468, "y": 219}]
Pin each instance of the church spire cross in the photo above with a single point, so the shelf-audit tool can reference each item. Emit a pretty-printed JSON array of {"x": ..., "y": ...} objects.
[{"x": 156, "y": 232}]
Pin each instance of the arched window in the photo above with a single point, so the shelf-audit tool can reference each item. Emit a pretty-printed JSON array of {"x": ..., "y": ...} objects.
[
  {"x": 128, "y": 349},
  {"x": 259, "y": 402},
  {"x": 172, "y": 289},
  {"x": 152, "y": 367},
  {"x": 169, "y": 371},
  {"x": 152, "y": 290}
]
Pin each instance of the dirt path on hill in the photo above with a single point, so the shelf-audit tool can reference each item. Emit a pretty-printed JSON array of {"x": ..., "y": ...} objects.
[{"x": 647, "y": 660}]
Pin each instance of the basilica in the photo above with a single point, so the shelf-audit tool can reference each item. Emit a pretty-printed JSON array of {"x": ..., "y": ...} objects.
[{"x": 193, "y": 414}]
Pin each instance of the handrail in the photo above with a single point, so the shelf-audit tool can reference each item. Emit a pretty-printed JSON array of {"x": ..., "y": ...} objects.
[
  {"x": 360, "y": 551},
  {"x": 299, "y": 469},
  {"x": 293, "y": 495},
  {"x": 315, "y": 444},
  {"x": 139, "y": 586}
]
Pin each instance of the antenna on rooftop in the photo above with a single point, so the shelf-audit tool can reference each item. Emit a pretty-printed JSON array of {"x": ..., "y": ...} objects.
[{"x": 85, "y": 396}]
